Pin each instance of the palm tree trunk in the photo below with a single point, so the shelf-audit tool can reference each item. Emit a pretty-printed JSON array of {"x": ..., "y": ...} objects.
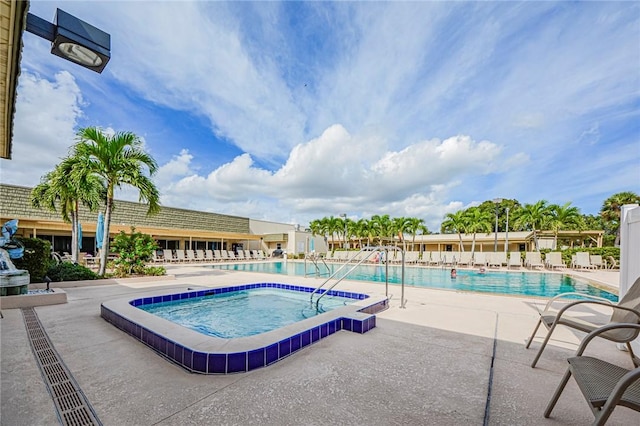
[
  {"x": 104, "y": 254},
  {"x": 461, "y": 245}
]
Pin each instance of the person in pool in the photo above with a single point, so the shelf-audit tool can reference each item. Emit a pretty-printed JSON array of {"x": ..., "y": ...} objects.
[
  {"x": 481, "y": 270},
  {"x": 454, "y": 273}
]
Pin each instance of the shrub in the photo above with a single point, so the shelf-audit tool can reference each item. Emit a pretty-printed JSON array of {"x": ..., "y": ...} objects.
[
  {"x": 36, "y": 258},
  {"x": 154, "y": 271},
  {"x": 67, "y": 271},
  {"x": 134, "y": 250}
]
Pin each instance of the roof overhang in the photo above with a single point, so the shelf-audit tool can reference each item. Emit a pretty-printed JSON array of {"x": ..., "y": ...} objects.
[{"x": 13, "y": 16}]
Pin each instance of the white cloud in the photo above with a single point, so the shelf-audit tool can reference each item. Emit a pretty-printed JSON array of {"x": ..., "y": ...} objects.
[{"x": 47, "y": 112}]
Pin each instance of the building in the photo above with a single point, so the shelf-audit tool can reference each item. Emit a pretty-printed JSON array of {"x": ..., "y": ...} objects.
[{"x": 172, "y": 228}]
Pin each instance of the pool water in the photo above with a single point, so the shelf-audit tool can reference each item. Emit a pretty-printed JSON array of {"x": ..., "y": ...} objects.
[
  {"x": 499, "y": 282},
  {"x": 243, "y": 313}
]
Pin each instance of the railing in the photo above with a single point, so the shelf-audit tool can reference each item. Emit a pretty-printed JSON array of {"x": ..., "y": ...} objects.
[
  {"x": 360, "y": 259},
  {"x": 317, "y": 262}
]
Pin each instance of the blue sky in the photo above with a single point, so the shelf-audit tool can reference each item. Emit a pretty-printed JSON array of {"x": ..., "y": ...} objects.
[{"x": 292, "y": 111}]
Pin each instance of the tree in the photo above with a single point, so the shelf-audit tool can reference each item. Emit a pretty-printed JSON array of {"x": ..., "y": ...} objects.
[
  {"x": 562, "y": 217},
  {"x": 477, "y": 220},
  {"x": 383, "y": 227},
  {"x": 611, "y": 207},
  {"x": 401, "y": 226},
  {"x": 414, "y": 226},
  {"x": 117, "y": 160},
  {"x": 66, "y": 188},
  {"x": 135, "y": 250},
  {"x": 455, "y": 222},
  {"x": 532, "y": 217}
]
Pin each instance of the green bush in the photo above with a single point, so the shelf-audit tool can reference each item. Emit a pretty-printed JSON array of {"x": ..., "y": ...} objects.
[
  {"x": 154, "y": 271},
  {"x": 134, "y": 250},
  {"x": 67, "y": 271},
  {"x": 36, "y": 258}
]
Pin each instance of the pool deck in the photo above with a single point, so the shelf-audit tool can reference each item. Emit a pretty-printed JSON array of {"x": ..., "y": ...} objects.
[{"x": 447, "y": 358}]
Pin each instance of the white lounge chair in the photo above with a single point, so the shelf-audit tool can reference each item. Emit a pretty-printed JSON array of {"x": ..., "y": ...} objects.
[
  {"x": 583, "y": 261},
  {"x": 533, "y": 259},
  {"x": 596, "y": 261},
  {"x": 553, "y": 260},
  {"x": 208, "y": 256},
  {"x": 180, "y": 257},
  {"x": 479, "y": 259},
  {"x": 497, "y": 259},
  {"x": 167, "y": 254},
  {"x": 200, "y": 255},
  {"x": 464, "y": 259},
  {"x": 515, "y": 259}
]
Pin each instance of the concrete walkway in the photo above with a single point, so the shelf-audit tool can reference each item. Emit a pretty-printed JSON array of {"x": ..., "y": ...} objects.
[{"x": 428, "y": 364}]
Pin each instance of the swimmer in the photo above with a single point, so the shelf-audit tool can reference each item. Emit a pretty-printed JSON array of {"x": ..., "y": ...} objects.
[
  {"x": 481, "y": 270},
  {"x": 454, "y": 273}
]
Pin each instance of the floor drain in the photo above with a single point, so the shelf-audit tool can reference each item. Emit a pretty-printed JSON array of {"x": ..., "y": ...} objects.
[{"x": 72, "y": 406}]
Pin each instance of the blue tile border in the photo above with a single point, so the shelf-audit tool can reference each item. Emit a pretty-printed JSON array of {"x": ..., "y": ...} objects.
[{"x": 237, "y": 362}]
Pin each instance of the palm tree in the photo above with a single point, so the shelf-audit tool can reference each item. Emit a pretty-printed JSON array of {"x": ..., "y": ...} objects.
[
  {"x": 477, "y": 220},
  {"x": 532, "y": 217},
  {"x": 611, "y": 207},
  {"x": 414, "y": 226},
  {"x": 117, "y": 160},
  {"x": 383, "y": 227},
  {"x": 401, "y": 226},
  {"x": 360, "y": 230},
  {"x": 67, "y": 189},
  {"x": 455, "y": 222},
  {"x": 562, "y": 217}
]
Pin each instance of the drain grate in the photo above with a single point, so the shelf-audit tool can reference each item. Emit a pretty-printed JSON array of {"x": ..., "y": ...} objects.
[{"x": 72, "y": 406}]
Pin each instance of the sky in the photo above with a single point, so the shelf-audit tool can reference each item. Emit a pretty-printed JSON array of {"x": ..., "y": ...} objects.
[{"x": 295, "y": 111}]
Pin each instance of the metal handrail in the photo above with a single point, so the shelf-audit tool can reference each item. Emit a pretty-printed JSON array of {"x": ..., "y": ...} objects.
[
  {"x": 364, "y": 249},
  {"x": 314, "y": 260}
]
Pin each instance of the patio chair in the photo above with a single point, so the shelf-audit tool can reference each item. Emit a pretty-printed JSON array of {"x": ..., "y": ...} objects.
[
  {"x": 583, "y": 261},
  {"x": 180, "y": 257},
  {"x": 603, "y": 385},
  {"x": 497, "y": 259},
  {"x": 553, "y": 260},
  {"x": 515, "y": 259},
  {"x": 532, "y": 259},
  {"x": 596, "y": 261},
  {"x": 208, "y": 255},
  {"x": 425, "y": 259},
  {"x": 627, "y": 310},
  {"x": 200, "y": 255},
  {"x": 479, "y": 259},
  {"x": 465, "y": 259},
  {"x": 168, "y": 255},
  {"x": 191, "y": 255},
  {"x": 240, "y": 255}
]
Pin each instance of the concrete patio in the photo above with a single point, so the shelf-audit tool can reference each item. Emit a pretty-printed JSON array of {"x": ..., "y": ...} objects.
[{"x": 449, "y": 358}]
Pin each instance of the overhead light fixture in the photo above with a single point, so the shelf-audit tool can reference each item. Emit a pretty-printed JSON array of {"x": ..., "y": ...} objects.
[{"x": 73, "y": 39}]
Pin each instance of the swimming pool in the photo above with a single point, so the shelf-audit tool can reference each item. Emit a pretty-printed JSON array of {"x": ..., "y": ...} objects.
[
  {"x": 206, "y": 354},
  {"x": 498, "y": 282},
  {"x": 243, "y": 313}
]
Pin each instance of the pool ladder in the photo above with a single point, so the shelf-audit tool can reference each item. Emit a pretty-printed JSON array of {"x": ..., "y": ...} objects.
[
  {"x": 317, "y": 262},
  {"x": 359, "y": 258}
]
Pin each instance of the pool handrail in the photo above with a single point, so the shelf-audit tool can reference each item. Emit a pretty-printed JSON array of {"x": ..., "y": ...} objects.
[{"x": 361, "y": 260}]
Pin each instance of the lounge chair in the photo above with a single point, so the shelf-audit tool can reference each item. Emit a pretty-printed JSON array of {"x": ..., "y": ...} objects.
[
  {"x": 479, "y": 259},
  {"x": 448, "y": 258},
  {"x": 191, "y": 255},
  {"x": 497, "y": 259},
  {"x": 411, "y": 257},
  {"x": 425, "y": 259},
  {"x": 533, "y": 259},
  {"x": 465, "y": 259},
  {"x": 180, "y": 256},
  {"x": 603, "y": 385},
  {"x": 553, "y": 260},
  {"x": 200, "y": 255},
  {"x": 596, "y": 261},
  {"x": 167, "y": 254},
  {"x": 247, "y": 255},
  {"x": 208, "y": 256},
  {"x": 231, "y": 255},
  {"x": 436, "y": 259},
  {"x": 224, "y": 255},
  {"x": 515, "y": 259},
  {"x": 612, "y": 263},
  {"x": 240, "y": 255},
  {"x": 582, "y": 261},
  {"x": 627, "y": 310}
]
